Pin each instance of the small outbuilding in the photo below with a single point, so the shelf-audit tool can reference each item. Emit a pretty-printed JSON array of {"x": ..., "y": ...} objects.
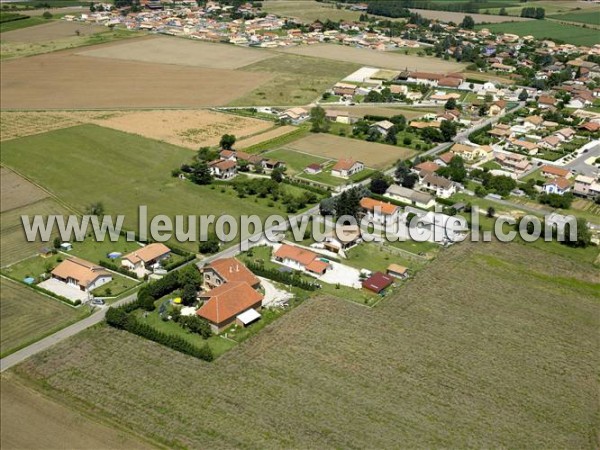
[
  {"x": 377, "y": 282},
  {"x": 397, "y": 271}
]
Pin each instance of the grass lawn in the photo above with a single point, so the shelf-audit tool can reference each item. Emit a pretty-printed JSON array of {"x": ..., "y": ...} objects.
[
  {"x": 95, "y": 252},
  {"x": 116, "y": 287},
  {"x": 375, "y": 258},
  {"x": 27, "y": 316},
  {"x": 491, "y": 165},
  {"x": 535, "y": 175},
  {"x": 418, "y": 248},
  {"x": 298, "y": 80},
  {"x": 295, "y": 162},
  {"x": 491, "y": 345},
  {"x": 325, "y": 176},
  {"x": 542, "y": 29},
  {"x": 122, "y": 171}
]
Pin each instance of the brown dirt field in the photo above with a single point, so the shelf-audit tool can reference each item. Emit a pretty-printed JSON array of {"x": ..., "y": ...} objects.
[
  {"x": 269, "y": 134},
  {"x": 446, "y": 16},
  {"x": 51, "y": 31},
  {"x": 186, "y": 128},
  {"x": 374, "y": 58},
  {"x": 64, "y": 81},
  {"x": 16, "y": 191},
  {"x": 183, "y": 52},
  {"x": 372, "y": 154},
  {"x": 32, "y": 420}
]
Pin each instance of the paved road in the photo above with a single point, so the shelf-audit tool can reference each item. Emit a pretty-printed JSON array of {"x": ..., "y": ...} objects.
[{"x": 43, "y": 344}]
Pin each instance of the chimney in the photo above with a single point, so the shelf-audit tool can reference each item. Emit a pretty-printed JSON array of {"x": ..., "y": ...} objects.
[{"x": 237, "y": 268}]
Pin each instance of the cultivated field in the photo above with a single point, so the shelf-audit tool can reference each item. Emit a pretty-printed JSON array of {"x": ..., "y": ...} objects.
[
  {"x": 366, "y": 57},
  {"x": 457, "y": 17},
  {"x": 591, "y": 17},
  {"x": 267, "y": 135},
  {"x": 361, "y": 111},
  {"x": 52, "y": 31},
  {"x": 181, "y": 52},
  {"x": 541, "y": 29},
  {"x": 123, "y": 171},
  {"x": 14, "y": 124},
  {"x": 17, "y": 192},
  {"x": 33, "y": 83},
  {"x": 27, "y": 316},
  {"x": 550, "y": 6},
  {"x": 372, "y": 154},
  {"x": 293, "y": 80},
  {"x": 308, "y": 11},
  {"x": 509, "y": 361},
  {"x": 33, "y": 420}
]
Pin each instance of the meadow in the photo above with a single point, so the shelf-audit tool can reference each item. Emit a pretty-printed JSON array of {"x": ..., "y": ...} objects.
[
  {"x": 542, "y": 29},
  {"x": 292, "y": 79},
  {"x": 87, "y": 164},
  {"x": 589, "y": 17},
  {"x": 27, "y": 316},
  {"x": 507, "y": 361}
]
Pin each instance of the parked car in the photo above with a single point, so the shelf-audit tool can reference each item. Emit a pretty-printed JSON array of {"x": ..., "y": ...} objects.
[{"x": 98, "y": 302}]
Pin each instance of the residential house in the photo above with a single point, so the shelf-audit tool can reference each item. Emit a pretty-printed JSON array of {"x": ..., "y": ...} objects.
[
  {"x": 426, "y": 167},
  {"x": 378, "y": 211},
  {"x": 497, "y": 108},
  {"x": 301, "y": 259},
  {"x": 501, "y": 131},
  {"x": 344, "y": 89},
  {"x": 345, "y": 168},
  {"x": 223, "y": 169},
  {"x": 271, "y": 164},
  {"x": 397, "y": 271},
  {"x": 228, "y": 303},
  {"x": 530, "y": 147},
  {"x": 557, "y": 186},
  {"x": 342, "y": 238},
  {"x": 550, "y": 142},
  {"x": 410, "y": 196},
  {"x": 295, "y": 115},
  {"x": 546, "y": 101},
  {"x": 468, "y": 152},
  {"x": 146, "y": 258},
  {"x": 444, "y": 159},
  {"x": 439, "y": 186},
  {"x": 382, "y": 127},
  {"x": 533, "y": 122},
  {"x": 586, "y": 186},
  {"x": 518, "y": 164},
  {"x": 227, "y": 270},
  {"x": 313, "y": 169},
  {"x": 81, "y": 274},
  {"x": 554, "y": 172},
  {"x": 566, "y": 134}
]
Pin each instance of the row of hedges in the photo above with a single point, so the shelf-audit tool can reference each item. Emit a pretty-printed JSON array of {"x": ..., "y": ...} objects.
[
  {"x": 187, "y": 258},
  {"x": 361, "y": 176},
  {"x": 308, "y": 185},
  {"x": 278, "y": 141},
  {"x": 123, "y": 318},
  {"x": 120, "y": 269},
  {"x": 283, "y": 277}
]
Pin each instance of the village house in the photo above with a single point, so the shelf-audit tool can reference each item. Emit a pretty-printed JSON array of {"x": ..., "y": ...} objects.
[
  {"x": 345, "y": 168},
  {"x": 383, "y": 127},
  {"x": 557, "y": 186},
  {"x": 549, "y": 171},
  {"x": 444, "y": 159},
  {"x": 530, "y": 147},
  {"x": 497, "y": 108},
  {"x": 81, "y": 274},
  {"x": 342, "y": 238},
  {"x": 301, "y": 259},
  {"x": 146, "y": 258},
  {"x": 410, "y": 196},
  {"x": 586, "y": 186},
  {"x": 223, "y": 169},
  {"x": 344, "y": 89},
  {"x": 313, "y": 169},
  {"x": 378, "y": 211},
  {"x": 226, "y": 270},
  {"x": 469, "y": 152},
  {"x": 235, "y": 301},
  {"x": 295, "y": 115},
  {"x": 439, "y": 186},
  {"x": 516, "y": 163}
]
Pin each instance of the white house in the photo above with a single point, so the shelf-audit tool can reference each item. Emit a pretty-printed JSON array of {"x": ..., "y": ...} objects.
[
  {"x": 146, "y": 258},
  {"x": 345, "y": 168},
  {"x": 81, "y": 274},
  {"x": 558, "y": 186},
  {"x": 439, "y": 186},
  {"x": 383, "y": 127},
  {"x": 410, "y": 196},
  {"x": 379, "y": 211}
]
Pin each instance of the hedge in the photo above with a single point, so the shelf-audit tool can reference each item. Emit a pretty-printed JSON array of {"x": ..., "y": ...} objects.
[
  {"x": 120, "y": 269},
  {"x": 122, "y": 318},
  {"x": 174, "y": 265},
  {"x": 282, "y": 277},
  {"x": 308, "y": 186}
]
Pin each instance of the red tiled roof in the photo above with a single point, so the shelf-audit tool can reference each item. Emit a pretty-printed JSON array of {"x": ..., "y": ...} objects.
[
  {"x": 231, "y": 269},
  {"x": 370, "y": 204},
  {"x": 300, "y": 255},
  {"x": 556, "y": 171},
  {"x": 227, "y": 301}
]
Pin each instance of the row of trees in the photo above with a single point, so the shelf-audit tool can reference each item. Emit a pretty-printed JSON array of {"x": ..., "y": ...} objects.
[{"x": 533, "y": 13}]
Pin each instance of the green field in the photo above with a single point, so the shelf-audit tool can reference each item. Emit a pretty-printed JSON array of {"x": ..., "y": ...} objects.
[
  {"x": 508, "y": 361},
  {"x": 298, "y": 80},
  {"x": 589, "y": 17},
  {"x": 542, "y": 29},
  {"x": 86, "y": 164},
  {"x": 295, "y": 162},
  {"x": 26, "y": 316}
]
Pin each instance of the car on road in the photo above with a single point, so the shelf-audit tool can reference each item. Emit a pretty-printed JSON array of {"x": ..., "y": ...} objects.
[{"x": 98, "y": 302}]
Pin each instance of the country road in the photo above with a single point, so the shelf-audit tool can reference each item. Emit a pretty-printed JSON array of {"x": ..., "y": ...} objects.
[{"x": 97, "y": 317}]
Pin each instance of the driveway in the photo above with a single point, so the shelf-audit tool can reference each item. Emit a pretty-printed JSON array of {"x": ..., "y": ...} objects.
[
  {"x": 344, "y": 275},
  {"x": 64, "y": 290},
  {"x": 273, "y": 295}
]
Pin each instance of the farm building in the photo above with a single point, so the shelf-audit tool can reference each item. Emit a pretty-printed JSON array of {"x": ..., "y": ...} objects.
[{"x": 81, "y": 274}]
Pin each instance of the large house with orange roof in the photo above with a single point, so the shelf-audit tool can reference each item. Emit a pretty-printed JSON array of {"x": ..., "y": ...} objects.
[
  {"x": 235, "y": 301},
  {"x": 82, "y": 274},
  {"x": 301, "y": 259},
  {"x": 227, "y": 270},
  {"x": 379, "y": 211},
  {"x": 345, "y": 168}
]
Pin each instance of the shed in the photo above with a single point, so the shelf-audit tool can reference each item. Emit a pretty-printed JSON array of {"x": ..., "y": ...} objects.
[
  {"x": 247, "y": 317},
  {"x": 397, "y": 271},
  {"x": 377, "y": 282},
  {"x": 66, "y": 246}
]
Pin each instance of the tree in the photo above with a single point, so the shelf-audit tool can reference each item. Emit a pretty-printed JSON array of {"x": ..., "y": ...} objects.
[
  {"x": 379, "y": 183},
  {"x": 56, "y": 243},
  {"x": 227, "y": 141},
  {"x": 450, "y": 104},
  {"x": 468, "y": 23},
  {"x": 47, "y": 15},
  {"x": 95, "y": 209},
  {"x": 278, "y": 174},
  {"x": 491, "y": 212},
  {"x": 318, "y": 120},
  {"x": 211, "y": 245},
  {"x": 206, "y": 154},
  {"x": 201, "y": 173},
  {"x": 402, "y": 170},
  {"x": 410, "y": 180},
  {"x": 455, "y": 170},
  {"x": 390, "y": 137},
  {"x": 584, "y": 237},
  {"x": 188, "y": 294},
  {"x": 448, "y": 129},
  {"x": 523, "y": 95}
]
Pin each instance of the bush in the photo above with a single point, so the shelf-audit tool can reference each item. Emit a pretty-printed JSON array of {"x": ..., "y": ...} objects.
[{"x": 283, "y": 277}]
